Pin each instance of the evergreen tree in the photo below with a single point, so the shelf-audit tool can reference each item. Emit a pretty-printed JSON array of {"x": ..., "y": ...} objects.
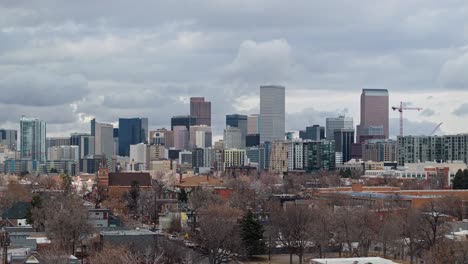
[
  {"x": 133, "y": 196},
  {"x": 183, "y": 197},
  {"x": 252, "y": 235},
  {"x": 36, "y": 202},
  {"x": 457, "y": 182}
]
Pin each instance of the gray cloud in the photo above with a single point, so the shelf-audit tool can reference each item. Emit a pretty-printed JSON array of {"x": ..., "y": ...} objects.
[
  {"x": 412, "y": 127},
  {"x": 108, "y": 62},
  {"x": 428, "y": 112},
  {"x": 462, "y": 110},
  {"x": 41, "y": 88}
]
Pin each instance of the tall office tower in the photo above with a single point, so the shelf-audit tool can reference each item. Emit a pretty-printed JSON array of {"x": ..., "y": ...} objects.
[
  {"x": 233, "y": 138},
  {"x": 93, "y": 127},
  {"x": 116, "y": 140},
  {"x": 200, "y": 109},
  {"x": 197, "y": 158},
  {"x": 314, "y": 132},
  {"x": 344, "y": 139},
  {"x": 33, "y": 139},
  {"x": 252, "y": 124},
  {"x": 334, "y": 123},
  {"x": 9, "y": 138},
  {"x": 131, "y": 131},
  {"x": 374, "y": 113},
  {"x": 186, "y": 121},
  {"x": 181, "y": 137},
  {"x": 239, "y": 121},
  {"x": 272, "y": 113},
  {"x": 201, "y": 131},
  {"x": 104, "y": 139},
  {"x": 85, "y": 143},
  {"x": 252, "y": 140},
  {"x": 203, "y": 139}
]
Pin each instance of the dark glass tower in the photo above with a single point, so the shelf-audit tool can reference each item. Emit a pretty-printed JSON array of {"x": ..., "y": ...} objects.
[{"x": 131, "y": 131}]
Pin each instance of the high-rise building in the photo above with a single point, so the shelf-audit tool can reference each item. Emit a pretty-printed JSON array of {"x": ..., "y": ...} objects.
[
  {"x": 9, "y": 138},
  {"x": 252, "y": 140},
  {"x": 138, "y": 153},
  {"x": 279, "y": 157},
  {"x": 252, "y": 124},
  {"x": 380, "y": 150},
  {"x": 319, "y": 155},
  {"x": 314, "y": 132},
  {"x": 233, "y": 138},
  {"x": 374, "y": 113},
  {"x": 186, "y": 121},
  {"x": 131, "y": 131},
  {"x": 234, "y": 158},
  {"x": 239, "y": 121},
  {"x": 181, "y": 137},
  {"x": 334, "y": 123},
  {"x": 200, "y": 109},
  {"x": 33, "y": 139},
  {"x": 57, "y": 141},
  {"x": 272, "y": 113},
  {"x": 295, "y": 155},
  {"x": 202, "y": 133},
  {"x": 63, "y": 153},
  {"x": 344, "y": 139},
  {"x": 104, "y": 139},
  {"x": 158, "y": 136}
]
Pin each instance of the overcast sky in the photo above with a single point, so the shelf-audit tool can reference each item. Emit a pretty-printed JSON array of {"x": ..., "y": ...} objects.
[{"x": 68, "y": 61}]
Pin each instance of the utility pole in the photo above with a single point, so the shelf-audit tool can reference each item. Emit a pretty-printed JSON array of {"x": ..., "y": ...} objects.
[{"x": 4, "y": 243}]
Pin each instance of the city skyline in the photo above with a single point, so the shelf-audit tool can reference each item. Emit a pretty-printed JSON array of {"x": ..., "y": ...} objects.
[{"x": 111, "y": 64}]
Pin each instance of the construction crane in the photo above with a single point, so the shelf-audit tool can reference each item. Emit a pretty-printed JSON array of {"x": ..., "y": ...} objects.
[
  {"x": 435, "y": 129},
  {"x": 401, "y": 109}
]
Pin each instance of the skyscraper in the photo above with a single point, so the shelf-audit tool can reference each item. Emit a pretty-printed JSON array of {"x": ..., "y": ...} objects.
[
  {"x": 374, "y": 113},
  {"x": 131, "y": 131},
  {"x": 33, "y": 139},
  {"x": 200, "y": 109},
  {"x": 104, "y": 139},
  {"x": 344, "y": 139},
  {"x": 9, "y": 138},
  {"x": 187, "y": 121},
  {"x": 240, "y": 122},
  {"x": 233, "y": 138},
  {"x": 334, "y": 123},
  {"x": 314, "y": 132},
  {"x": 252, "y": 124},
  {"x": 272, "y": 113}
]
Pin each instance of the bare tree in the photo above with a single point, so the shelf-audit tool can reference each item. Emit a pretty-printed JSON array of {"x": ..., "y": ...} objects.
[
  {"x": 115, "y": 255},
  {"x": 66, "y": 221},
  {"x": 53, "y": 254},
  {"x": 218, "y": 232},
  {"x": 293, "y": 227}
]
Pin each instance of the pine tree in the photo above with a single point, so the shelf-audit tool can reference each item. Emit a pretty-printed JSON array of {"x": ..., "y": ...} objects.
[
  {"x": 183, "y": 196},
  {"x": 252, "y": 235}
]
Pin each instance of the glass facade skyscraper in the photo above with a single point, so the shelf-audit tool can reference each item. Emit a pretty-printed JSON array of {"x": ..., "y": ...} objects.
[
  {"x": 131, "y": 131},
  {"x": 272, "y": 113},
  {"x": 33, "y": 139}
]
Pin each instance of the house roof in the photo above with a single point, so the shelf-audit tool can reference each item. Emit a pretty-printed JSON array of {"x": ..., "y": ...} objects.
[
  {"x": 18, "y": 211},
  {"x": 196, "y": 181},
  {"x": 126, "y": 178}
]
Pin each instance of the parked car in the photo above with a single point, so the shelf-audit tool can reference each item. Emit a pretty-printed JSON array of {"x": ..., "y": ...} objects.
[{"x": 189, "y": 244}]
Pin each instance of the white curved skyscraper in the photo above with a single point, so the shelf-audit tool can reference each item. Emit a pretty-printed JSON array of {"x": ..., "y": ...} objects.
[{"x": 272, "y": 113}]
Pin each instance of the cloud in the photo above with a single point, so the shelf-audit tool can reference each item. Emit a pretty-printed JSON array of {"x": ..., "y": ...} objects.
[
  {"x": 462, "y": 110},
  {"x": 427, "y": 112},
  {"x": 307, "y": 117},
  {"x": 411, "y": 127},
  {"x": 41, "y": 88},
  {"x": 261, "y": 62}
]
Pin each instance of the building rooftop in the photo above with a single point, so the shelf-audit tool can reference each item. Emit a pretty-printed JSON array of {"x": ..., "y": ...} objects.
[
  {"x": 369, "y": 260},
  {"x": 126, "y": 178}
]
